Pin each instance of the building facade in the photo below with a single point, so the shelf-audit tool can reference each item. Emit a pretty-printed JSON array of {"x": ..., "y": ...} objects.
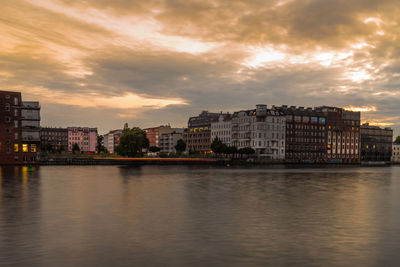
[
  {"x": 55, "y": 139},
  {"x": 111, "y": 140},
  {"x": 19, "y": 130},
  {"x": 221, "y": 127},
  {"x": 376, "y": 143},
  {"x": 154, "y": 133},
  {"x": 30, "y": 122},
  {"x": 305, "y": 139},
  {"x": 261, "y": 129},
  {"x": 168, "y": 141},
  {"x": 395, "y": 153},
  {"x": 343, "y": 135},
  {"x": 198, "y": 134},
  {"x": 85, "y": 137}
]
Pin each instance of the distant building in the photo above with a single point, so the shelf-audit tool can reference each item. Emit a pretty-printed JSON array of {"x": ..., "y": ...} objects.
[
  {"x": 56, "y": 138},
  {"x": 168, "y": 141},
  {"x": 85, "y": 137},
  {"x": 305, "y": 134},
  {"x": 395, "y": 153},
  {"x": 343, "y": 135},
  {"x": 376, "y": 143},
  {"x": 111, "y": 140},
  {"x": 19, "y": 129},
  {"x": 221, "y": 127},
  {"x": 261, "y": 129},
  {"x": 154, "y": 133},
  {"x": 198, "y": 134}
]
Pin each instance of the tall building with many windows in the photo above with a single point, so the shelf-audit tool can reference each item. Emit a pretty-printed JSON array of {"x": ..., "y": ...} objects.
[
  {"x": 221, "y": 127},
  {"x": 54, "y": 139},
  {"x": 19, "y": 129},
  {"x": 111, "y": 140}
]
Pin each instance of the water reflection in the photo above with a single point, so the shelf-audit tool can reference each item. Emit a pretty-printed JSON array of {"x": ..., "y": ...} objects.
[{"x": 196, "y": 216}]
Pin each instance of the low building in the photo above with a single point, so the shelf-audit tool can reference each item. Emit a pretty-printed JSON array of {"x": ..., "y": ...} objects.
[
  {"x": 168, "y": 141},
  {"x": 111, "y": 140},
  {"x": 221, "y": 127},
  {"x": 376, "y": 143},
  {"x": 55, "y": 139},
  {"x": 85, "y": 137},
  {"x": 395, "y": 153},
  {"x": 154, "y": 133},
  {"x": 19, "y": 129}
]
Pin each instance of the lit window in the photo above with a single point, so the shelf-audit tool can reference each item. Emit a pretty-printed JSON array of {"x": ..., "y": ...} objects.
[
  {"x": 15, "y": 147},
  {"x": 24, "y": 147},
  {"x": 33, "y": 148}
]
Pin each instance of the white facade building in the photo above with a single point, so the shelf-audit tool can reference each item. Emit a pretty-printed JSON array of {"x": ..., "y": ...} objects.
[
  {"x": 221, "y": 127},
  {"x": 111, "y": 140},
  {"x": 396, "y": 153},
  {"x": 168, "y": 141},
  {"x": 261, "y": 129}
]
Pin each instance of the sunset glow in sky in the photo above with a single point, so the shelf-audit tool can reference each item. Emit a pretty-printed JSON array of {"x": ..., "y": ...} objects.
[{"x": 101, "y": 63}]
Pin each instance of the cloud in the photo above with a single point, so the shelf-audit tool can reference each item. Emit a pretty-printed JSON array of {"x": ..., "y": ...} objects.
[{"x": 155, "y": 62}]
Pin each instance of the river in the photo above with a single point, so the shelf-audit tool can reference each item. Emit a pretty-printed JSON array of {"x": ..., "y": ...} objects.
[{"x": 199, "y": 216}]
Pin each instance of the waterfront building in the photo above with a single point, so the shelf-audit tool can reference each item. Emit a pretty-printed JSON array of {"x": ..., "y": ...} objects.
[
  {"x": 305, "y": 134},
  {"x": 30, "y": 123},
  {"x": 168, "y": 141},
  {"x": 19, "y": 129},
  {"x": 111, "y": 140},
  {"x": 376, "y": 143},
  {"x": 395, "y": 153},
  {"x": 198, "y": 134},
  {"x": 56, "y": 138},
  {"x": 261, "y": 129},
  {"x": 85, "y": 137},
  {"x": 343, "y": 135},
  {"x": 154, "y": 133},
  {"x": 221, "y": 127}
]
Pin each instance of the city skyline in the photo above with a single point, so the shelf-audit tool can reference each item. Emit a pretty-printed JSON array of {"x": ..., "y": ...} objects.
[{"x": 103, "y": 63}]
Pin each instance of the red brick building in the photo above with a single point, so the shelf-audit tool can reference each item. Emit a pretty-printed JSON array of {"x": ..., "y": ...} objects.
[{"x": 16, "y": 144}]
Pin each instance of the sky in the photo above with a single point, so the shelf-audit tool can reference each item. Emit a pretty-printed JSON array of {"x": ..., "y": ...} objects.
[{"x": 102, "y": 63}]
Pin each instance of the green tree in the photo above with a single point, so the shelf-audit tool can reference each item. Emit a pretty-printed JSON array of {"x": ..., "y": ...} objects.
[
  {"x": 100, "y": 147},
  {"x": 218, "y": 147},
  {"x": 61, "y": 149},
  {"x": 397, "y": 141},
  {"x": 231, "y": 150},
  {"x": 132, "y": 142},
  {"x": 75, "y": 148},
  {"x": 180, "y": 146},
  {"x": 154, "y": 149},
  {"x": 246, "y": 151}
]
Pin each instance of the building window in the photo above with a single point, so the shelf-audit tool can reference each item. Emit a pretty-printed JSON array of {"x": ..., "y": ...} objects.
[
  {"x": 15, "y": 124},
  {"x": 15, "y": 147},
  {"x": 24, "y": 147},
  {"x": 33, "y": 147},
  {"x": 16, "y": 112},
  {"x": 16, "y": 136}
]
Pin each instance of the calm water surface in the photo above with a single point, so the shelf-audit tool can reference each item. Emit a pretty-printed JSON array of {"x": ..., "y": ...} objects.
[{"x": 199, "y": 216}]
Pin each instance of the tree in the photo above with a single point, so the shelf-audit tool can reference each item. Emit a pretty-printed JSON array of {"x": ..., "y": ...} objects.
[
  {"x": 246, "y": 151},
  {"x": 180, "y": 146},
  {"x": 154, "y": 149},
  {"x": 218, "y": 147},
  {"x": 75, "y": 148},
  {"x": 61, "y": 149},
  {"x": 397, "y": 141},
  {"x": 132, "y": 142},
  {"x": 231, "y": 150},
  {"x": 100, "y": 147}
]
